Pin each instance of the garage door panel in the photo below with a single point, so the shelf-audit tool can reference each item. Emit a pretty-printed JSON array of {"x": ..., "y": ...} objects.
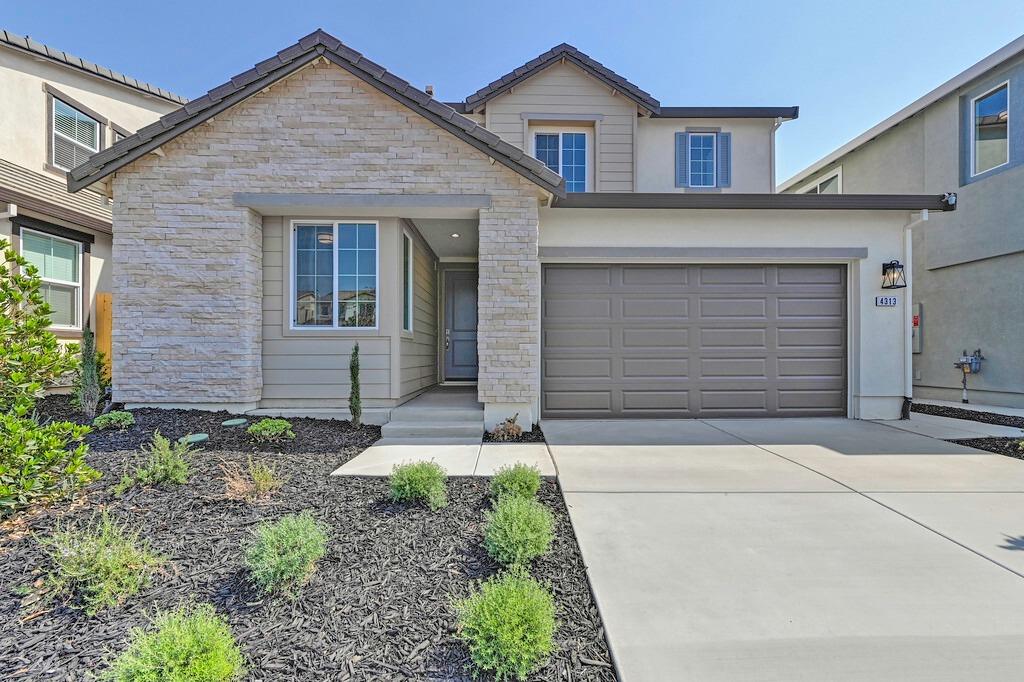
[{"x": 693, "y": 341}]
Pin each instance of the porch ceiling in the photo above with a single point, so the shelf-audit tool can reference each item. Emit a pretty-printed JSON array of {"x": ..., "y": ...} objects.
[{"x": 438, "y": 233}]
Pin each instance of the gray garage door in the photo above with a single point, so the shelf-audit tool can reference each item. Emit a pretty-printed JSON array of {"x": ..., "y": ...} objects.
[{"x": 693, "y": 341}]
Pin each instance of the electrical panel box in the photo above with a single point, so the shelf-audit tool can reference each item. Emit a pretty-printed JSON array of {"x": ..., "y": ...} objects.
[{"x": 916, "y": 327}]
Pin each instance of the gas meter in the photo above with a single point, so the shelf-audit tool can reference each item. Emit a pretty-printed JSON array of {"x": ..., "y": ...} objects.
[{"x": 968, "y": 364}]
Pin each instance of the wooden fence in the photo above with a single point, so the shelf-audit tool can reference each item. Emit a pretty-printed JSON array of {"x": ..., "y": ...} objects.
[{"x": 104, "y": 326}]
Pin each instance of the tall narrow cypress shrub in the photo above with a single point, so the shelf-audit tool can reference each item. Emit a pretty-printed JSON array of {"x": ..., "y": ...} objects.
[
  {"x": 355, "y": 406},
  {"x": 89, "y": 382}
]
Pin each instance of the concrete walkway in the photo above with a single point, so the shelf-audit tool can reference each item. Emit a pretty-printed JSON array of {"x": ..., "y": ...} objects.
[
  {"x": 947, "y": 428},
  {"x": 803, "y": 549},
  {"x": 458, "y": 460}
]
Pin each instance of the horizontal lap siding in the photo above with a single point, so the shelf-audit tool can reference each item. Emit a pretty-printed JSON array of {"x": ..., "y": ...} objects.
[{"x": 419, "y": 354}]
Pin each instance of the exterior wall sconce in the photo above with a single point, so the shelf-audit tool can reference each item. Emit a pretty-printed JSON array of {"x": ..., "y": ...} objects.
[{"x": 892, "y": 275}]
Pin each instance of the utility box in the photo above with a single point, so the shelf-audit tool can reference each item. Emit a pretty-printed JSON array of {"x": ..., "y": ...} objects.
[{"x": 916, "y": 327}]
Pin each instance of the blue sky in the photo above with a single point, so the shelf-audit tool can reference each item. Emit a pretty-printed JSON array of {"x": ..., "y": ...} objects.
[{"x": 847, "y": 64}]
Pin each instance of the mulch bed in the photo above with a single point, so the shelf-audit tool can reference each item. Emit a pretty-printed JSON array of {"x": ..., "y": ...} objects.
[
  {"x": 1003, "y": 446},
  {"x": 970, "y": 415},
  {"x": 377, "y": 608},
  {"x": 534, "y": 436}
]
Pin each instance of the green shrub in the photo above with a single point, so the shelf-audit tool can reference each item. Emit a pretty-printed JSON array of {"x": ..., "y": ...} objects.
[
  {"x": 283, "y": 555},
  {"x": 103, "y": 564},
  {"x": 191, "y": 644},
  {"x": 271, "y": 431},
  {"x": 518, "y": 530},
  {"x": 117, "y": 419},
  {"x": 519, "y": 480},
  {"x": 166, "y": 463},
  {"x": 355, "y": 404},
  {"x": 508, "y": 625},
  {"x": 40, "y": 463},
  {"x": 424, "y": 482}
]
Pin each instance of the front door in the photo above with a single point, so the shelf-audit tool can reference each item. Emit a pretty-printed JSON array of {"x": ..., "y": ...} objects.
[{"x": 459, "y": 340}]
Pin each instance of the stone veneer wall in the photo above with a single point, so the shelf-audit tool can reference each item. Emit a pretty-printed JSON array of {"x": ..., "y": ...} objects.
[{"x": 187, "y": 271}]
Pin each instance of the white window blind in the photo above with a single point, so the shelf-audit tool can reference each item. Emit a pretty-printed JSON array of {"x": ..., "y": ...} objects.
[{"x": 76, "y": 137}]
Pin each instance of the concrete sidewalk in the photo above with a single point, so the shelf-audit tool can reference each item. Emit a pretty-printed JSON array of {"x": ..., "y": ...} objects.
[
  {"x": 804, "y": 549},
  {"x": 457, "y": 460}
]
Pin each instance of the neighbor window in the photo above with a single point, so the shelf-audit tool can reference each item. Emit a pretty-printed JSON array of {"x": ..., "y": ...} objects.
[
  {"x": 335, "y": 275},
  {"x": 990, "y": 116},
  {"x": 59, "y": 262},
  {"x": 702, "y": 159},
  {"x": 75, "y": 136},
  {"x": 829, "y": 185},
  {"x": 566, "y": 154},
  {"x": 407, "y": 282}
]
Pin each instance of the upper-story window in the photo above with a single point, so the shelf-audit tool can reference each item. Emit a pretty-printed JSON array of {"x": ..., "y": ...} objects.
[
  {"x": 701, "y": 156},
  {"x": 565, "y": 153},
  {"x": 830, "y": 184},
  {"x": 76, "y": 136},
  {"x": 990, "y": 118},
  {"x": 703, "y": 159}
]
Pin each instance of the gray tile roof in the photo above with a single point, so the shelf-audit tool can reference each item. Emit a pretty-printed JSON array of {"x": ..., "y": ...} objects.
[
  {"x": 315, "y": 45},
  {"x": 556, "y": 54},
  {"x": 26, "y": 44}
]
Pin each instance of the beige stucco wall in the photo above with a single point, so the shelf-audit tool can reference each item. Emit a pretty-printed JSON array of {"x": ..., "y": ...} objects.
[
  {"x": 751, "y": 153},
  {"x": 876, "y": 335}
]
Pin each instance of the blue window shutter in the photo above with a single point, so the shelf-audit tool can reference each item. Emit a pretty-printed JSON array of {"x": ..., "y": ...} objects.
[
  {"x": 681, "y": 161},
  {"x": 724, "y": 159}
]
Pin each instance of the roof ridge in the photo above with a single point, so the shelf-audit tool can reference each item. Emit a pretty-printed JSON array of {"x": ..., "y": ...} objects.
[{"x": 27, "y": 44}]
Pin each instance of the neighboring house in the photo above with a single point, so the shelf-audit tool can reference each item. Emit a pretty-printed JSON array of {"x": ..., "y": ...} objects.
[
  {"x": 559, "y": 237},
  {"x": 55, "y": 111},
  {"x": 966, "y": 135}
]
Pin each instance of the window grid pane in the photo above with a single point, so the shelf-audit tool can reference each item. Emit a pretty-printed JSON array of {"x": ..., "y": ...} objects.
[
  {"x": 357, "y": 275},
  {"x": 702, "y": 160},
  {"x": 991, "y": 117},
  {"x": 574, "y": 161},
  {"x": 546, "y": 149},
  {"x": 314, "y": 274}
]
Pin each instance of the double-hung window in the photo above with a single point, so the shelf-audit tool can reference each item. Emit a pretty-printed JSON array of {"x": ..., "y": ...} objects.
[
  {"x": 701, "y": 159},
  {"x": 566, "y": 154},
  {"x": 74, "y": 136},
  {"x": 990, "y": 118},
  {"x": 334, "y": 280},
  {"x": 59, "y": 262}
]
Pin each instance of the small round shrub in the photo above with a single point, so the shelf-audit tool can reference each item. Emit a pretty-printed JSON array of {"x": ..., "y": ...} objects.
[
  {"x": 191, "y": 644},
  {"x": 508, "y": 625},
  {"x": 519, "y": 480},
  {"x": 283, "y": 555},
  {"x": 118, "y": 419},
  {"x": 271, "y": 431},
  {"x": 424, "y": 482},
  {"x": 518, "y": 530}
]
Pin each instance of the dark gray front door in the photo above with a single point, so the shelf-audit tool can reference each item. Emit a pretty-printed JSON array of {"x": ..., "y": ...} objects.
[{"x": 459, "y": 338}]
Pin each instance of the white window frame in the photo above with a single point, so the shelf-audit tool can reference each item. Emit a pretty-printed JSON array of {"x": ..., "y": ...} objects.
[
  {"x": 973, "y": 160},
  {"x": 53, "y": 131},
  {"x": 534, "y": 131},
  {"x": 63, "y": 283},
  {"x": 838, "y": 173},
  {"x": 714, "y": 158},
  {"x": 409, "y": 286},
  {"x": 334, "y": 326}
]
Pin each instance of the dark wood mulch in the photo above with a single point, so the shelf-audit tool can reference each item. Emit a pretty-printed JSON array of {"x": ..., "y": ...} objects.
[
  {"x": 378, "y": 607},
  {"x": 534, "y": 436},
  {"x": 1003, "y": 446},
  {"x": 970, "y": 415}
]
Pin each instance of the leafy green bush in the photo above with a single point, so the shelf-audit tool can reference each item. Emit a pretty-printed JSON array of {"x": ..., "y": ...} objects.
[
  {"x": 117, "y": 419},
  {"x": 191, "y": 644},
  {"x": 271, "y": 431},
  {"x": 167, "y": 463},
  {"x": 518, "y": 530},
  {"x": 103, "y": 564},
  {"x": 424, "y": 482},
  {"x": 283, "y": 555},
  {"x": 40, "y": 463},
  {"x": 519, "y": 480},
  {"x": 508, "y": 625}
]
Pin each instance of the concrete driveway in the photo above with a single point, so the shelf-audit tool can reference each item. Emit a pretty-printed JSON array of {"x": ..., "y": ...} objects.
[{"x": 803, "y": 549}]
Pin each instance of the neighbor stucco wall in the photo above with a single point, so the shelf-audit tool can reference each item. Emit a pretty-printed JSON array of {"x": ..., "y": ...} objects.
[
  {"x": 876, "y": 335},
  {"x": 189, "y": 271}
]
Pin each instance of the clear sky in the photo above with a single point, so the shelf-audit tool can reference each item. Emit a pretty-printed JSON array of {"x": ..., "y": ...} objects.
[{"x": 847, "y": 64}]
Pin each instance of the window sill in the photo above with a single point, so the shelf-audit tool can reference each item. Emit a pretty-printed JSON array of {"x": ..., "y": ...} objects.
[
  {"x": 49, "y": 167},
  {"x": 293, "y": 332},
  {"x": 67, "y": 334},
  {"x": 406, "y": 334}
]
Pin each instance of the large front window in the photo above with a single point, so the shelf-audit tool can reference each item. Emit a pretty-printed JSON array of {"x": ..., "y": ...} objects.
[
  {"x": 566, "y": 154},
  {"x": 990, "y": 141},
  {"x": 701, "y": 156},
  {"x": 76, "y": 136},
  {"x": 335, "y": 275},
  {"x": 59, "y": 262}
]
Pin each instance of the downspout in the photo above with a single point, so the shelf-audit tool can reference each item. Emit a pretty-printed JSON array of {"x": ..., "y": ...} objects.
[
  {"x": 771, "y": 161},
  {"x": 908, "y": 314}
]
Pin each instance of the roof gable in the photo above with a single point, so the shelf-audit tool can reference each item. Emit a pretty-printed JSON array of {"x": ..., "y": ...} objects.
[
  {"x": 316, "y": 45},
  {"x": 556, "y": 55}
]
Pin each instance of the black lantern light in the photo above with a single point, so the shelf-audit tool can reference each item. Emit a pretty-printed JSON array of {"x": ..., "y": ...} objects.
[{"x": 892, "y": 275}]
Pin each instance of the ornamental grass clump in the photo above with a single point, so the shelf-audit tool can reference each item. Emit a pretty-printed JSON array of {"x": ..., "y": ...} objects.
[
  {"x": 518, "y": 530},
  {"x": 258, "y": 481},
  {"x": 518, "y": 480},
  {"x": 101, "y": 565},
  {"x": 424, "y": 482},
  {"x": 190, "y": 644},
  {"x": 117, "y": 419},
  {"x": 282, "y": 556},
  {"x": 271, "y": 431},
  {"x": 508, "y": 624}
]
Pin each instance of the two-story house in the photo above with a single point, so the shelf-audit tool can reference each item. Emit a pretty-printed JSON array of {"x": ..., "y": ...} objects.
[
  {"x": 967, "y": 136},
  {"x": 56, "y": 110},
  {"x": 559, "y": 239}
]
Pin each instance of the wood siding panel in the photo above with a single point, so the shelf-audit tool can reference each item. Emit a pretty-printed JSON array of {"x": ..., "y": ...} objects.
[{"x": 419, "y": 353}]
